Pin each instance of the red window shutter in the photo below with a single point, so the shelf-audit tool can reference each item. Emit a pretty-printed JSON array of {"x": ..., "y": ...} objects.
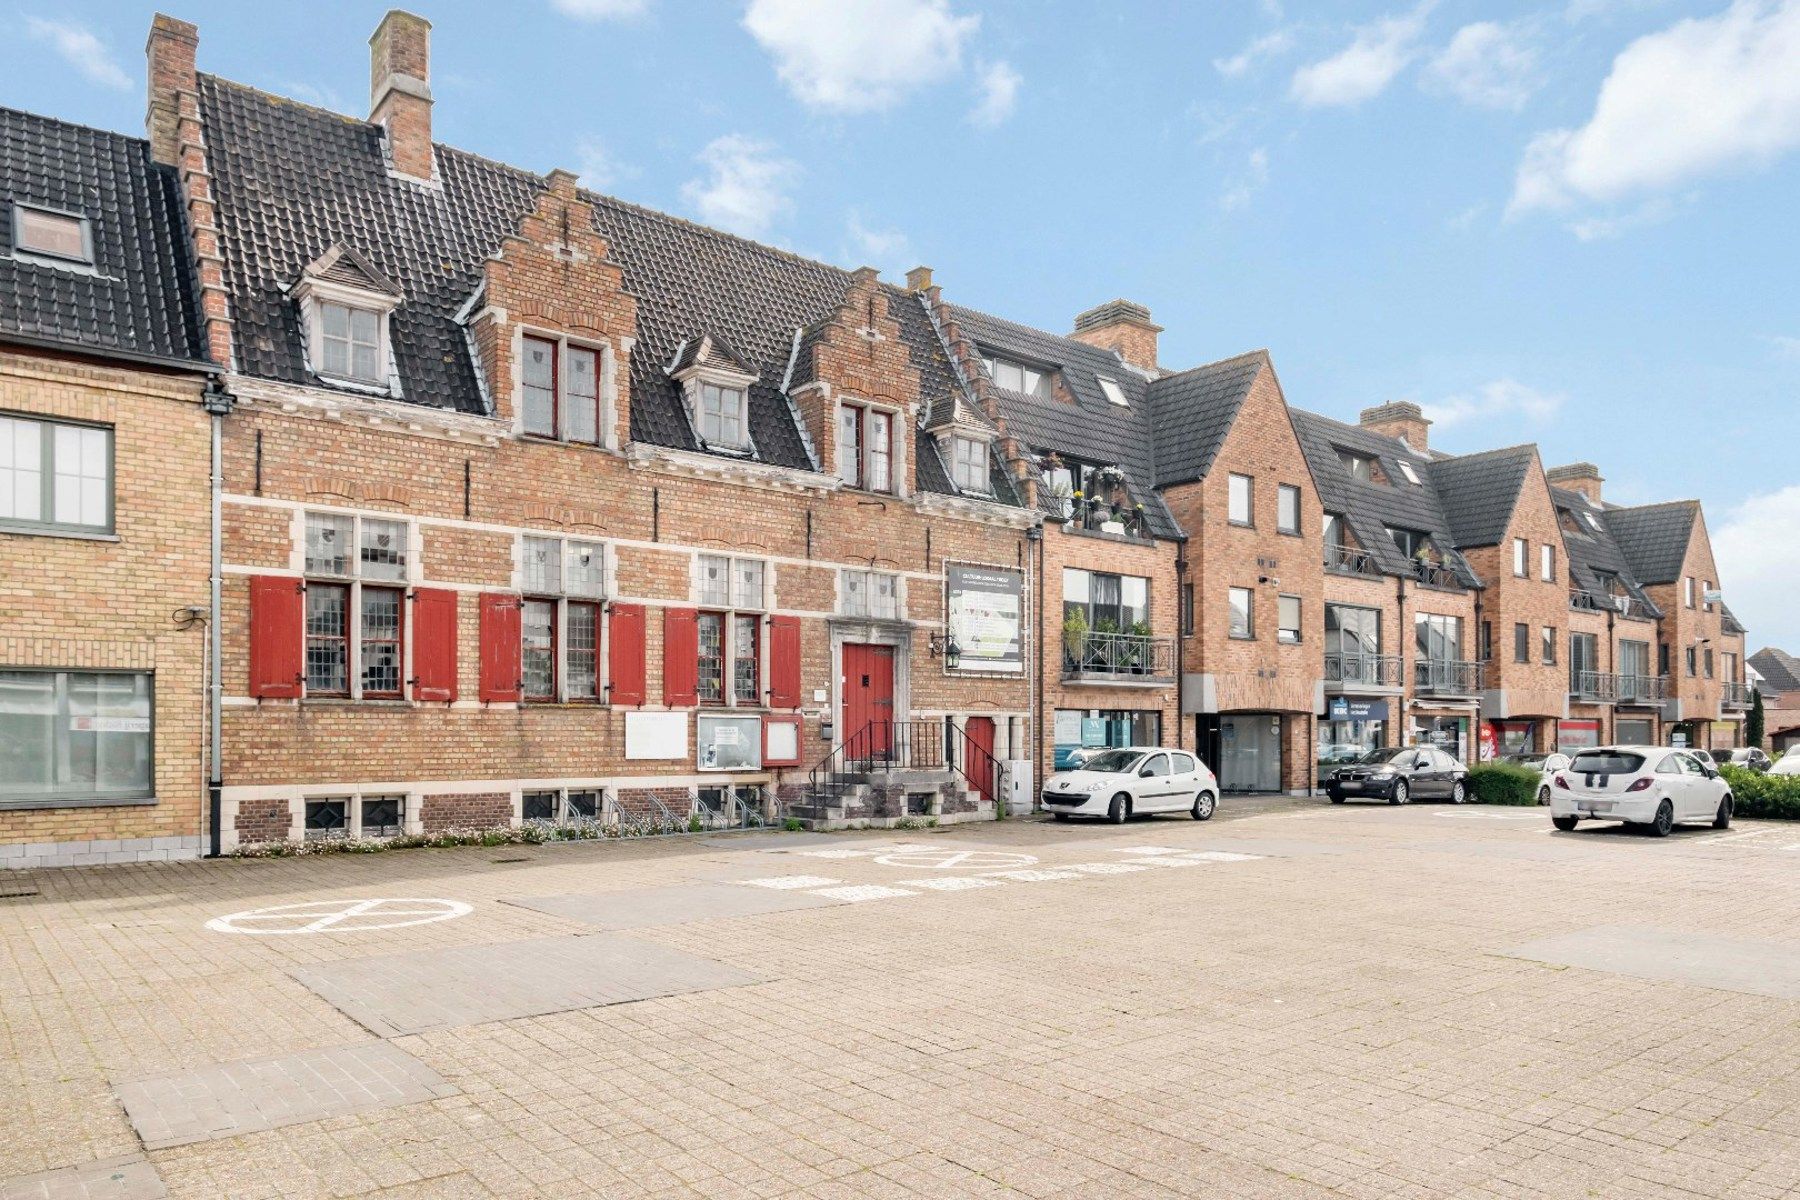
[
  {"x": 784, "y": 662},
  {"x": 625, "y": 654},
  {"x": 681, "y": 658},
  {"x": 502, "y": 668},
  {"x": 434, "y": 644},
  {"x": 277, "y": 637}
]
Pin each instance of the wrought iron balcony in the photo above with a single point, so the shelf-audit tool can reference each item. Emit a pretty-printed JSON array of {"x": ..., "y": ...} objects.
[
  {"x": 1736, "y": 695},
  {"x": 1594, "y": 687},
  {"x": 1435, "y": 574},
  {"x": 1447, "y": 677},
  {"x": 1118, "y": 658},
  {"x": 1345, "y": 671},
  {"x": 1351, "y": 560},
  {"x": 1640, "y": 689}
]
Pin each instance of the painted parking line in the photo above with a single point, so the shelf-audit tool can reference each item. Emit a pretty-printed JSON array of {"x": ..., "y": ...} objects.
[
  {"x": 1033, "y": 875},
  {"x": 950, "y": 883},
  {"x": 856, "y": 893},
  {"x": 783, "y": 883},
  {"x": 1222, "y": 856},
  {"x": 1109, "y": 868},
  {"x": 339, "y": 916},
  {"x": 956, "y": 860},
  {"x": 1149, "y": 850},
  {"x": 1473, "y": 816}
]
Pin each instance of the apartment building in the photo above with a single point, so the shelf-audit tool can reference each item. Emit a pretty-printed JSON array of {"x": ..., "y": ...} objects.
[
  {"x": 542, "y": 506},
  {"x": 104, "y": 503}
]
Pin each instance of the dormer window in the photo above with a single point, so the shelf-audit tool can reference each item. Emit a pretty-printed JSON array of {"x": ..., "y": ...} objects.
[
  {"x": 715, "y": 382},
  {"x": 1015, "y": 376},
  {"x": 1360, "y": 466},
  {"x": 52, "y": 234},
  {"x": 969, "y": 465},
  {"x": 345, "y": 305},
  {"x": 349, "y": 343},
  {"x": 724, "y": 416},
  {"x": 561, "y": 392}
]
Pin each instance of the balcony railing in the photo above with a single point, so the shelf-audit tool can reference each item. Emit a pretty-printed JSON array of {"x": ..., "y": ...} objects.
[
  {"x": 1118, "y": 656},
  {"x": 1640, "y": 689},
  {"x": 1447, "y": 677},
  {"x": 1736, "y": 695},
  {"x": 1349, "y": 558},
  {"x": 1364, "y": 670},
  {"x": 1435, "y": 574},
  {"x": 1594, "y": 687}
]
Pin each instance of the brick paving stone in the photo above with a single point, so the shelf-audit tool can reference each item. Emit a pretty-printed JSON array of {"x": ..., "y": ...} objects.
[
  {"x": 127, "y": 1178},
  {"x": 642, "y": 908},
  {"x": 244, "y": 1097}
]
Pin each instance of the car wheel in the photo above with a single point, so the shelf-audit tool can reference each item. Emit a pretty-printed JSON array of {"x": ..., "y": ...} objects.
[
  {"x": 1665, "y": 820},
  {"x": 1566, "y": 824},
  {"x": 1722, "y": 819},
  {"x": 1336, "y": 799},
  {"x": 1204, "y": 804},
  {"x": 1059, "y": 816},
  {"x": 1458, "y": 793},
  {"x": 1543, "y": 795},
  {"x": 1119, "y": 809},
  {"x": 1401, "y": 793}
]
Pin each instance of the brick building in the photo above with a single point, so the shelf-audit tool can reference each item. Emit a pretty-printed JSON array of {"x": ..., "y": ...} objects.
[{"x": 104, "y": 503}]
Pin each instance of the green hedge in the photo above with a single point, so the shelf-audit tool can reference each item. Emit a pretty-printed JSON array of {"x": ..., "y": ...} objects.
[
  {"x": 1504, "y": 783},
  {"x": 1753, "y": 795}
]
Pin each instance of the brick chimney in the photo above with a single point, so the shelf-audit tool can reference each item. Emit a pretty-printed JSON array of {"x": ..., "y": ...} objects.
[
  {"x": 918, "y": 279},
  {"x": 1401, "y": 419},
  {"x": 171, "y": 53},
  {"x": 400, "y": 89},
  {"x": 1123, "y": 326},
  {"x": 1583, "y": 477}
]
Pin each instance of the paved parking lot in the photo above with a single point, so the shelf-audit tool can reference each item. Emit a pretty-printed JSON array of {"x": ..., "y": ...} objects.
[{"x": 1290, "y": 1000}]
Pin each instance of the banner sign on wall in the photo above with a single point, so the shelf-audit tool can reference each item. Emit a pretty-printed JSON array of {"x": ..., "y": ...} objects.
[
  {"x": 986, "y": 617},
  {"x": 1341, "y": 708}
]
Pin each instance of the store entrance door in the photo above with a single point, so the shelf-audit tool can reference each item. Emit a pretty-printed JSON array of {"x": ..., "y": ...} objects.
[{"x": 1250, "y": 752}]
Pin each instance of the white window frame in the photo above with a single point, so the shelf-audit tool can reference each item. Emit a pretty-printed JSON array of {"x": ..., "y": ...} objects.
[
  {"x": 1406, "y": 469},
  {"x": 1547, "y": 563},
  {"x": 314, "y": 295},
  {"x": 355, "y": 828},
  {"x": 1248, "y": 482},
  {"x": 1112, "y": 391},
  {"x": 561, "y": 594},
  {"x": 352, "y": 581},
  {"x": 1687, "y": 591},
  {"x": 729, "y": 609},
  {"x": 972, "y": 475},
  {"x": 1521, "y": 558},
  {"x": 47, "y": 472},
  {"x": 605, "y": 809},
  {"x": 1033, "y": 381},
  {"x": 867, "y": 608}
]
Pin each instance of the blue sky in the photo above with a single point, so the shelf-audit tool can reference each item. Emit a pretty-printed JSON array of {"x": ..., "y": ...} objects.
[{"x": 1570, "y": 223}]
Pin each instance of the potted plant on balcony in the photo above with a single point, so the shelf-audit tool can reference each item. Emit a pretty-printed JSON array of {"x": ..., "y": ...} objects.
[
  {"x": 1075, "y": 632},
  {"x": 1137, "y": 651}
]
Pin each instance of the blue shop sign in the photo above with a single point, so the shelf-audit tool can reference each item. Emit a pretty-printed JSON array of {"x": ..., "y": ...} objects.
[{"x": 1340, "y": 708}]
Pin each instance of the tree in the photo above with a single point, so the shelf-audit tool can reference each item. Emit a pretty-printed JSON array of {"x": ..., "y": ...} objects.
[{"x": 1753, "y": 725}]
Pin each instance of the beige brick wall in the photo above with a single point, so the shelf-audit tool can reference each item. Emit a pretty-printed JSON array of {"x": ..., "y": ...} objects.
[{"x": 72, "y": 603}]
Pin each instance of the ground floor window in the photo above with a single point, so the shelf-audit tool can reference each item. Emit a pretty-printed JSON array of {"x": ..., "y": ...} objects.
[
  {"x": 1577, "y": 735},
  {"x": 1250, "y": 752},
  {"x": 739, "y": 804},
  {"x": 1345, "y": 741},
  {"x": 75, "y": 735},
  {"x": 1514, "y": 737},
  {"x": 1635, "y": 733},
  {"x": 326, "y": 818},
  {"x": 1449, "y": 734},
  {"x": 575, "y": 806},
  {"x": 1089, "y": 729}
]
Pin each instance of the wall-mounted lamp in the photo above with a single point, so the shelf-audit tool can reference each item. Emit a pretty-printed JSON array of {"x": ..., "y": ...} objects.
[{"x": 944, "y": 646}]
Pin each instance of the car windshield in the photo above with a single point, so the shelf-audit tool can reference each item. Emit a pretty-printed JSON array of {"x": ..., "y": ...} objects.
[
  {"x": 1606, "y": 762},
  {"x": 1112, "y": 762},
  {"x": 1385, "y": 754}
]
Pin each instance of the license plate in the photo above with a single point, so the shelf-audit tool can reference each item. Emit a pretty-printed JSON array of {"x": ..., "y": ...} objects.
[
  {"x": 1350, "y": 787},
  {"x": 1596, "y": 806}
]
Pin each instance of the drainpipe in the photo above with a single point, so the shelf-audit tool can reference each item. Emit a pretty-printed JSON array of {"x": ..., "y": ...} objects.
[
  {"x": 1408, "y": 693},
  {"x": 1034, "y": 546},
  {"x": 218, "y": 402}
]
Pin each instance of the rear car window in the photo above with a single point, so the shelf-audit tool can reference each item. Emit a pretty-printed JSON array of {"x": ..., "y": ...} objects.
[{"x": 1606, "y": 762}]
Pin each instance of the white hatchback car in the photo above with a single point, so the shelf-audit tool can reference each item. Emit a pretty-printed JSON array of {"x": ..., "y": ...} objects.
[
  {"x": 1133, "y": 779},
  {"x": 1651, "y": 786},
  {"x": 1787, "y": 764}
]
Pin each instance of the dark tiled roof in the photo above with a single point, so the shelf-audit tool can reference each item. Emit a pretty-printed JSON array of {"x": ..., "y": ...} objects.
[
  {"x": 1192, "y": 412},
  {"x": 292, "y": 181},
  {"x": 1779, "y": 669},
  {"x": 1728, "y": 621},
  {"x": 1593, "y": 553},
  {"x": 138, "y": 299},
  {"x": 1480, "y": 491},
  {"x": 1092, "y": 428},
  {"x": 1370, "y": 508},
  {"x": 1654, "y": 537}
]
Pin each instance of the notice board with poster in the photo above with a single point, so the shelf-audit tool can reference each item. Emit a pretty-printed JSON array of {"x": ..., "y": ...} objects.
[{"x": 986, "y": 617}]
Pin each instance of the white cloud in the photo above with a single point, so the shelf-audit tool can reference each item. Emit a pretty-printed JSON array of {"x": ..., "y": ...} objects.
[
  {"x": 1500, "y": 398},
  {"x": 999, "y": 86},
  {"x": 1265, "y": 47},
  {"x": 1785, "y": 346},
  {"x": 859, "y": 55},
  {"x": 78, "y": 47},
  {"x": 1245, "y": 184},
  {"x": 1363, "y": 69},
  {"x": 889, "y": 250},
  {"x": 745, "y": 189},
  {"x": 601, "y": 10},
  {"x": 1758, "y": 549},
  {"x": 598, "y": 168},
  {"x": 1487, "y": 64},
  {"x": 1702, "y": 96},
  {"x": 1606, "y": 226}
]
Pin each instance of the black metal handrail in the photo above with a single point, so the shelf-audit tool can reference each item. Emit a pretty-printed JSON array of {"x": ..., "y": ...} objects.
[
  {"x": 1736, "y": 695},
  {"x": 878, "y": 746},
  {"x": 1454, "y": 677},
  {"x": 1349, "y": 558},
  {"x": 977, "y": 766},
  {"x": 1641, "y": 689},
  {"x": 1434, "y": 574},
  {"x": 1599, "y": 687},
  {"x": 1096, "y": 653},
  {"x": 1375, "y": 670}
]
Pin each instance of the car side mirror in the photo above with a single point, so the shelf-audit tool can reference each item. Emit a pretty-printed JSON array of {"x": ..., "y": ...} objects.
[{"x": 1144, "y": 773}]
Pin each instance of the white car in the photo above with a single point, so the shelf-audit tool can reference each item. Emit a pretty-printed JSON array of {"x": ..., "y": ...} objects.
[
  {"x": 1546, "y": 765},
  {"x": 1651, "y": 786},
  {"x": 1787, "y": 764},
  {"x": 1118, "y": 783}
]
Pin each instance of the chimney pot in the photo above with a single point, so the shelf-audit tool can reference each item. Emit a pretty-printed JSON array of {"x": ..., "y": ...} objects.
[
  {"x": 1400, "y": 419},
  {"x": 1583, "y": 477},
  {"x": 1122, "y": 326},
  {"x": 400, "y": 89}
]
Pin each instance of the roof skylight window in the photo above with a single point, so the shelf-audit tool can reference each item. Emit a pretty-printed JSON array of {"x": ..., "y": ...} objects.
[
  {"x": 1406, "y": 469},
  {"x": 1112, "y": 391},
  {"x": 52, "y": 234}
]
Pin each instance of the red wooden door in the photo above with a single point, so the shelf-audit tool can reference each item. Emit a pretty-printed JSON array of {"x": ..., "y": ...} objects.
[
  {"x": 868, "y": 699},
  {"x": 978, "y": 755}
]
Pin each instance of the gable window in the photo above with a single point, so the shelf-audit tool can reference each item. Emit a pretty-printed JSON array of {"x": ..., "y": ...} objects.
[
  {"x": 1112, "y": 391},
  {"x": 564, "y": 583},
  {"x": 732, "y": 597},
  {"x": 52, "y": 234},
  {"x": 356, "y": 569},
  {"x": 349, "y": 343},
  {"x": 1243, "y": 612},
  {"x": 561, "y": 390},
  {"x": 55, "y": 476},
  {"x": 969, "y": 464},
  {"x": 873, "y": 594},
  {"x": 1521, "y": 557},
  {"x": 1287, "y": 619},
  {"x": 1547, "y": 563},
  {"x": 1240, "y": 500},
  {"x": 1406, "y": 469},
  {"x": 1687, "y": 595},
  {"x": 866, "y": 447},
  {"x": 1360, "y": 466},
  {"x": 1287, "y": 509},
  {"x": 1017, "y": 377}
]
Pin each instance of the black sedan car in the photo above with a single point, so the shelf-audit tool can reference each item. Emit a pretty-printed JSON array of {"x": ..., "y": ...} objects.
[{"x": 1398, "y": 774}]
